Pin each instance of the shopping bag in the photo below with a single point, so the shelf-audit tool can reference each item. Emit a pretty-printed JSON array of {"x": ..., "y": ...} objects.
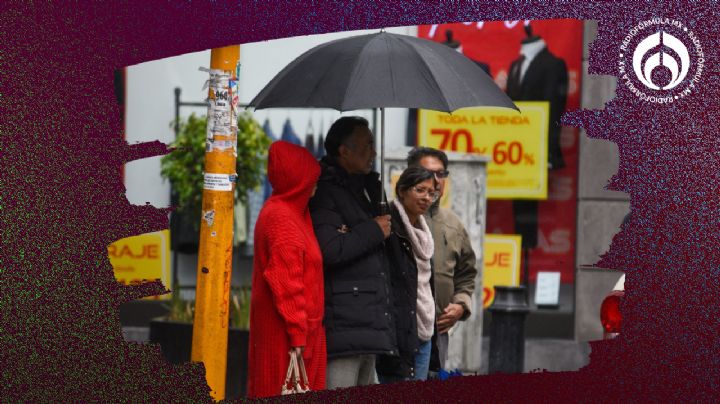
[{"x": 295, "y": 372}]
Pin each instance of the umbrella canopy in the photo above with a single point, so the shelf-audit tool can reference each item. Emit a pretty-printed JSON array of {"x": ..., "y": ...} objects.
[
  {"x": 378, "y": 71},
  {"x": 382, "y": 70}
]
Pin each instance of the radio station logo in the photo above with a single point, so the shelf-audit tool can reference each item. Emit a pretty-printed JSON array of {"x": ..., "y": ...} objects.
[{"x": 661, "y": 60}]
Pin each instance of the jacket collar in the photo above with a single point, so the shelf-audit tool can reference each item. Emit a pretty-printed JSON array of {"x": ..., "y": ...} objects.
[
  {"x": 396, "y": 223},
  {"x": 434, "y": 208},
  {"x": 332, "y": 171},
  {"x": 357, "y": 183}
]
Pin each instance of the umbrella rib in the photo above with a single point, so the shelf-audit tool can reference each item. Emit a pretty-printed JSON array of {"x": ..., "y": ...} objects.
[
  {"x": 351, "y": 83},
  {"x": 390, "y": 71},
  {"x": 435, "y": 81},
  {"x": 459, "y": 77},
  {"x": 327, "y": 69}
]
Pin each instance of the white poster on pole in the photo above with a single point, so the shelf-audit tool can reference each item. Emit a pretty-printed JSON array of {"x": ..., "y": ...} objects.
[{"x": 217, "y": 182}]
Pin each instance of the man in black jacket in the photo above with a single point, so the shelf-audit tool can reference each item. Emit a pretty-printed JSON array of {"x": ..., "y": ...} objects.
[{"x": 351, "y": 234}]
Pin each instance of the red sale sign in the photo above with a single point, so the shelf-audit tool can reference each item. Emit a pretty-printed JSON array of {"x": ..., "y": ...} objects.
[{"x": 496, "y": 45}]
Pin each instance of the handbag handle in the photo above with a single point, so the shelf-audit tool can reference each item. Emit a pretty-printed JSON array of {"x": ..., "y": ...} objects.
[
  {"x": 290, "y": 370},
  {"x": 295, "y": 373},
  {"x": 303, "y": 374}
]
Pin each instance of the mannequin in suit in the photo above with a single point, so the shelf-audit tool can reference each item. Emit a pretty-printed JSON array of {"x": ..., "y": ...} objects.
[{"x": 538, "y": 75}]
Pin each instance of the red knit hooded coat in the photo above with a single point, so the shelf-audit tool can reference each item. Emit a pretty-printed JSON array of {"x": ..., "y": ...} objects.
[{"x": 286, "y": 307}]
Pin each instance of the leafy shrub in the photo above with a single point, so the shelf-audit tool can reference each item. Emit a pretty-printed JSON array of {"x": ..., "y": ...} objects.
[{"x": 184, "y": 166}]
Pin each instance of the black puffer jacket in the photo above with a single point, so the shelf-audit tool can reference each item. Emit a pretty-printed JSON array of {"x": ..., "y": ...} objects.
[
  {"x": 404, "y": 283},
  {"x": 358, "y": 319}
]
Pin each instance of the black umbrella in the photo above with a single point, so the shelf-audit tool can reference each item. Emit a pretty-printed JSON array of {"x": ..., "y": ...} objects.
[{"x": 378, "y": 71}]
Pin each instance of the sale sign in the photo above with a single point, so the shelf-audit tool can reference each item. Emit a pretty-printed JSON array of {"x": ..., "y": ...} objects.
[
  {"x": 516, "y": 144},
  {"x": 141, "y": 259},
  {"x": 501, "y": 262}
]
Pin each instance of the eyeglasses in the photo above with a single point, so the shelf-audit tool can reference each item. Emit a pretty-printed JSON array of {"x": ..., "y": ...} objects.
[
  {"x": 440, "y": 173},
  {"x": 425, "y": 192}
]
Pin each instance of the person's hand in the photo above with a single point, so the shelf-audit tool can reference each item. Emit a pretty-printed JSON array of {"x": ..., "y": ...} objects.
[
  {"x": 384, "y": 223},
  {"x": 298, "y": 350},
  {"x": 449, "y": 317}
]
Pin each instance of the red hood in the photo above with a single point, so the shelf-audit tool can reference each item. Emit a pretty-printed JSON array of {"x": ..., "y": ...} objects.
[{"x": 293, "y": 173}]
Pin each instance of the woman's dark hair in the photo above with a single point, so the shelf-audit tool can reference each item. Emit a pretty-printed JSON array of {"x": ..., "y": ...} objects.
[
  {"x": 340, "y": 131},
  {"x": 417, "y": 154},
  {"x": 411, "y": 177}
]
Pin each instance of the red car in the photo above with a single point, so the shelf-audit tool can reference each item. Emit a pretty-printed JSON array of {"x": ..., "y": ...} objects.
[{"x": 610, "y": 316}]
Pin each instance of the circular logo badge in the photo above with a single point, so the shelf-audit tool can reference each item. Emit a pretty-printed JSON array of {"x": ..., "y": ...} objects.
[{"x": 661, "y": 60}]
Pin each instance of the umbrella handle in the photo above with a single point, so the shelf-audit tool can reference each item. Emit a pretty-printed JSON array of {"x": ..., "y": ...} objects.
[{"x": 384, "y": 208}]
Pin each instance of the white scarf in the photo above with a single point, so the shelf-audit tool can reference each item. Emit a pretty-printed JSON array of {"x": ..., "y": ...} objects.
[{"x": 423, "y": 249}]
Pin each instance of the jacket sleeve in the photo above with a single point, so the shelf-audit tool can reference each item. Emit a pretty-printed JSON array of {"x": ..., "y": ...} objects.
[
  {"x": 338, "y": 245},
  {"x": 555, "y": 88},
  {"x": 464, "y": 274},
  {"x": 284, "y": 275}
]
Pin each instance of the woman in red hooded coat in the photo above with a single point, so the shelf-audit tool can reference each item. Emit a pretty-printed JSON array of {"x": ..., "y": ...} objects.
[{"x": 286, "y": 307}]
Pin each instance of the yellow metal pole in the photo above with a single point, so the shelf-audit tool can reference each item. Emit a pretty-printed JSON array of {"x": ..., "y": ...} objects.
[{"x": 214, "y": 271}]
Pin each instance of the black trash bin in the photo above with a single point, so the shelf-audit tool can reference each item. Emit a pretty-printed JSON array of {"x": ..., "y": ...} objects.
[{"x": 507, "y": 330}]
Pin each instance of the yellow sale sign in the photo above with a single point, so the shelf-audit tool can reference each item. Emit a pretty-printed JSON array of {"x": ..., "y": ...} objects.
[
  {"x": 501, "y": 262},
  {"x": 142, "y": 258},
  {"x": 516, "y": 144}
]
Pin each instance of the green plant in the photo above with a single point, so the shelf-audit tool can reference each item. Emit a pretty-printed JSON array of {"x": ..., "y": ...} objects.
[
  {"x": 184, "y": 166},
  {"x": 240, "y": 308},
  {"x": 182, "y": 310}
]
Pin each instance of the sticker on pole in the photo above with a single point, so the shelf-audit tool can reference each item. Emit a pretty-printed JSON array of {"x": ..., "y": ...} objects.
[
  {"x": 217, "y": 182},
  {"x": 220, "y": 119}
]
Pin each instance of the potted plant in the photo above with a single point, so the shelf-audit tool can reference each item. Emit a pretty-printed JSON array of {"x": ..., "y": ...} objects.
[
  {"x": 174, "y": 334},
  {"x": 184, "y": 169}
]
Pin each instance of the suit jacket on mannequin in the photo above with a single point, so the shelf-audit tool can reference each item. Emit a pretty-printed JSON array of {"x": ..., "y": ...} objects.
[{"x": 546, "y": 79}]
